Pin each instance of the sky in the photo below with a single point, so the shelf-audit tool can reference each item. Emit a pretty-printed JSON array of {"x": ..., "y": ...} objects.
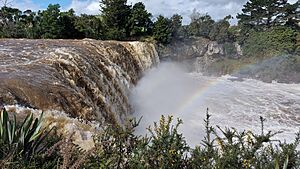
[{"x": 218, "y": 9}]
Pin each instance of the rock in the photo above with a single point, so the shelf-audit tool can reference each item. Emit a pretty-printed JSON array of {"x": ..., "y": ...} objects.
[
  {"x": 197, "y": 52},
  {"x": 214, "y": 49}
]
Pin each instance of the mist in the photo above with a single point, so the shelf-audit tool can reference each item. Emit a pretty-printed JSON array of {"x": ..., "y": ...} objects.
[
  {"x": 169, "y": 89},
  {"x": 162, "y": 91}
]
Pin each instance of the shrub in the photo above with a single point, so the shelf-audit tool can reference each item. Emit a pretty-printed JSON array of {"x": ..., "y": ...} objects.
[
  {"x": 274, "y": 41},
  {"x": 243, "y": 150},
  {"x": 168, "y": 148},
  {"x": 25, "y": 139},
  {"x": 30, "y": 145},
  {"x": 118, "y": 147}
]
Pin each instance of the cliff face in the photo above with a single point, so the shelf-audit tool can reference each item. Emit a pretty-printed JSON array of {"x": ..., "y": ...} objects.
[
  {"x": 198, "y": 53},
  {"x": 191, "y": 49},
  {"x": 85, "y": 78}
]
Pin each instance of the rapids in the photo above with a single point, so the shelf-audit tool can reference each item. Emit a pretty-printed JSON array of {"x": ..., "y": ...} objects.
[
  {"x": 232, "y": 102},
  {"x": 86, "y": 79}
]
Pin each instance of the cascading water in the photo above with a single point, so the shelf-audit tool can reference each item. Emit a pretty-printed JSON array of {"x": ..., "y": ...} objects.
[
  {"x": 169, "y": 90},
  {"x": 85, "y": 78},
  {"x": 72, "y": 81}
]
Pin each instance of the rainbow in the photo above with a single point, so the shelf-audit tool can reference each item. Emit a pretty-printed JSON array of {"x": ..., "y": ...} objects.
[{"x": 200, "y": 92}]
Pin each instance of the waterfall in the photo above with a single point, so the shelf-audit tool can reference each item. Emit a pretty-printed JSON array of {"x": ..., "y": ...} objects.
[{"x": 88, "y": 79}]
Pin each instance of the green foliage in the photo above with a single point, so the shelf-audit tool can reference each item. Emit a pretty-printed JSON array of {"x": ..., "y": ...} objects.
[
  {"x": 115, "y": 15},
  {"x": 262, "y": 13},
  {"x": 139, "y": 23},
  {"x": 168, "y": 148},
  {"x": 274, "y": 41},
  {"x": 162, "y": 30},
  {"x": 26, "y": 139},
  {"x": 67, "y": 20},
  {"x": 220, "y": 31},
  {"x": 10, "y": 25},
  {"x": 48, "y": 22},
  {"x": 119, "y": 147},
  {"x": 89, "y": 26},
  {"x": 243, "y": 150},
  {"x": 291, "y": 15},
  {"x": 176, "y": 25},
  {"x": 230, "y": 49},
  {"x": 200, "y": 24},
  {"x": 119, "y": 21},
  {"x": 28, "y": 144},
  {"x": 21, "y": 144}
]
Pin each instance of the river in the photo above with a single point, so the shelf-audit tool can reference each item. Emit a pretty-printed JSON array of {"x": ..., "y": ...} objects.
[{"x": 169, "y": 90}]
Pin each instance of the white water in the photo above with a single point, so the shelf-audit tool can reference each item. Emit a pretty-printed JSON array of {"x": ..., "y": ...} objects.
[{"x": 168, "y": 90}]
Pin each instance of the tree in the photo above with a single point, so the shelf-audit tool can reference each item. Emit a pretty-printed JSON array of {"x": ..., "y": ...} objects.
[
  {"x": 139, "y": 22},
  {"x": 201, "y": 24},
  {"x": 220, "y": 31},
  {"x": 9, "y": 22},
  {"x": 115, "y": 15},
  {"x": 291, "y": 15},
  {"x": 262, "y": 13},
  {"x": 48, "y": 26},
  {"x": 176, "y": 24},
  {"x": 29, "y": 24},
  {"x": 67, "y": 22},
  {"x": 162, "y": 30},
  {"x": 6, "y": 3},
  {"x": 275, "y": 41},
  {"x": 90, "y": 26}
]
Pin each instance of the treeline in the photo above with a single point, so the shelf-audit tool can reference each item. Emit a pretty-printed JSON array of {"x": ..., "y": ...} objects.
[
  {"x": 263, "y": 24},
  {"x": 118, "y": 21}
]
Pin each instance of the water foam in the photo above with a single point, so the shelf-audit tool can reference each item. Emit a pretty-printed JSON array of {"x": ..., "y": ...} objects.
[{"x": 168, "y": 90}]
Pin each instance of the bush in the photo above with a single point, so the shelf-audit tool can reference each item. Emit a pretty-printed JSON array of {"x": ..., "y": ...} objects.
[
  {"x": 22, "y": 141},
  {"x": 30, "y": 145},
  {"x": 162, "y": 30},
  {"x": 118, "y": 147},
  {"x": 243, "y": 150},
  {"x": 275, "y": 41}
]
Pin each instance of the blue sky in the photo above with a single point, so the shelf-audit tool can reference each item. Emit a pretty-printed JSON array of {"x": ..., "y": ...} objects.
[
  {"x": 216, "y": 8},
  {"x": 45, "y": 3}
]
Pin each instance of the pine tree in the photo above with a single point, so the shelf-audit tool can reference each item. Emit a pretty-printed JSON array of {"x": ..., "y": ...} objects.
[
  {"x": 262, "y": 13},
  {"x": 162, "y": 30},
  {"x": 48, "y": 20},
  {"x": 291, "y": 15},
  {"x": 139, "y": 23},
  {"x": 115, "y": 17},
  {"x": 176, "y": 24},
  {"x": 201, "y": 24}
]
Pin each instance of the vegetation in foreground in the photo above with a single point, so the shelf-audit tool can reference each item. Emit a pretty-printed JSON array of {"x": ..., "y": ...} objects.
[{"x": 28, "y": 144}]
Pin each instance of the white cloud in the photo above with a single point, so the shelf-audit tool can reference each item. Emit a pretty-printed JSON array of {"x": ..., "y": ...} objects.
[
  {"x": 24, "y": 5},
  {"x": 218, "y": 9},
  {"x": 85, "y": 6}
]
